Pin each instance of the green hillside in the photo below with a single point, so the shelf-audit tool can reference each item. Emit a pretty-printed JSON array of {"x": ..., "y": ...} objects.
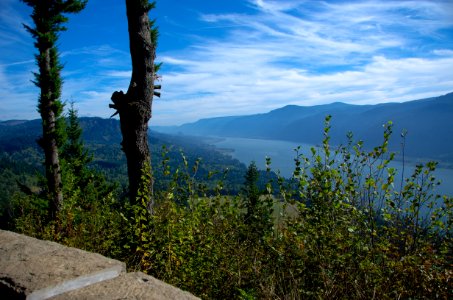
[{"x": 21, "y": 159}]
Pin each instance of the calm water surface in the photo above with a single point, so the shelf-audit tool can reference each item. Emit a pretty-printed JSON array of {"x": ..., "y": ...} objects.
[{"x": 282, "y": 157}]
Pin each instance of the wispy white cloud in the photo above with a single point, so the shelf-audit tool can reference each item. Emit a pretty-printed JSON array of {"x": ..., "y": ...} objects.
[
  {"x": 271, "y": 54},
  {"x": 311, "y": 52},
  {"x": 122, "y": 74},
  {"x": 17, "y": 92},
  {"x": 443, "y": 52},
  {"x": 382, "y": 80},
  {"x": 11, "y": 25},
  {"x": 25, "y": 62}
]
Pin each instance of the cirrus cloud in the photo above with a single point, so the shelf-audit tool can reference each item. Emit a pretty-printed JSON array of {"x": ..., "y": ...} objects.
[{"x": 260, "y": 56}]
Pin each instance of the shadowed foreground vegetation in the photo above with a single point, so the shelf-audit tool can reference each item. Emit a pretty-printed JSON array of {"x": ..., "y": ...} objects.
[{"x": 339, "y": 228}]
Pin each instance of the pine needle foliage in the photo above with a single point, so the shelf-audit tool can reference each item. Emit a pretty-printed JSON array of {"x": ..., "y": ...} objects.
[
  {"x": 48, "y": 18},
  {"x": 74, "y": 153}
]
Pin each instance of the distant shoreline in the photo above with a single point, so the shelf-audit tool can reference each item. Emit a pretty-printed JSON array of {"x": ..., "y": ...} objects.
[{"x": 215, "y": 140}]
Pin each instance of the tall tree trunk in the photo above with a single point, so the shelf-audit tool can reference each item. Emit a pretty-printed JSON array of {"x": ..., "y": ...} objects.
[
  {"x": 52, "y": 162},
  {"x": 135, "y": 106},
  {"x": 49, "y": 123}
]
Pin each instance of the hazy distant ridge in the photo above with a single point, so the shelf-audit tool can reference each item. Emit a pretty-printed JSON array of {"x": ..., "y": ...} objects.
[{"x": 429, "y": 123}]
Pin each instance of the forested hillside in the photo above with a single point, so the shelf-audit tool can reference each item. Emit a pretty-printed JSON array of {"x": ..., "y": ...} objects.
[{"x": 21, "y": 158}]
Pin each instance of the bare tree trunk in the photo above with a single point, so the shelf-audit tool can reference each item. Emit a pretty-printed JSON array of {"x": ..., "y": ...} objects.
[
  {"x": 49, "y": 138},
  {"x": 135, "y": 106}
]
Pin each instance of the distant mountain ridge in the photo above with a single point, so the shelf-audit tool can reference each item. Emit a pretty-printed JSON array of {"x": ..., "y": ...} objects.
[{"x": 429, "y": 125}]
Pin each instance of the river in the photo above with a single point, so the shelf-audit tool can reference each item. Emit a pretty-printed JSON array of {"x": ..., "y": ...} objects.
[{"x": 282, "y": 158}]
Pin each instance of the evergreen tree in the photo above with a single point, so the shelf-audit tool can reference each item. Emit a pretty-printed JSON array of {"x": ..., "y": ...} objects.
[
  {"x": 74, "y": 152},
  {"x": 77, "y": 176},
  {"x": 258, "y": 217},
  {"x": 134, "y": 107},
  {"x": 49, "y": 19},
  {"x": 251, "y": 191}
]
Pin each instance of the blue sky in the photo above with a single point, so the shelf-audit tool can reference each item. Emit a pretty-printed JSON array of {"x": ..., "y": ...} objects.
[{"x": 235, "y": 57}]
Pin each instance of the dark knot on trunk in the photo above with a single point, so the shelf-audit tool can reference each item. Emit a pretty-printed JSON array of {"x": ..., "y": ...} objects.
[{"x": 119, "y": 100}]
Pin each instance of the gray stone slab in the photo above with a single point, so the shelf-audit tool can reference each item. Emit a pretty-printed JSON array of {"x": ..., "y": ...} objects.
[
  {"x": 131, "y": 286},
  {"x": 36, "y": 269}
]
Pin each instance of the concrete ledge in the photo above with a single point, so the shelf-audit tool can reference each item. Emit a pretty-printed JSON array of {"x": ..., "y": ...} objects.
[
  {"x": 128, "y": 286},
  {"x": 36, "y": 269}
]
